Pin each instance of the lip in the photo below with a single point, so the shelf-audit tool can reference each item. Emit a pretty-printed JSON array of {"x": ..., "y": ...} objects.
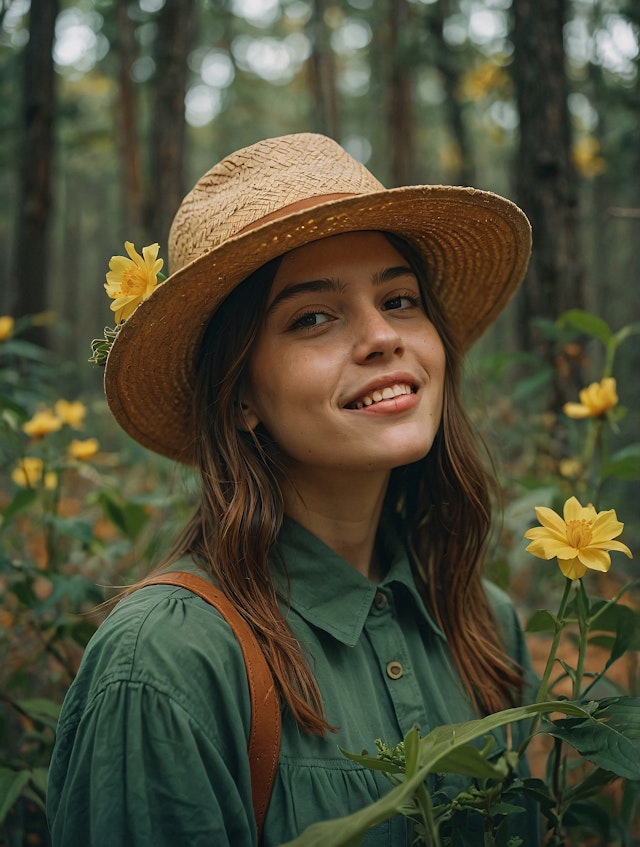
[{"x": 384, "y": 381}]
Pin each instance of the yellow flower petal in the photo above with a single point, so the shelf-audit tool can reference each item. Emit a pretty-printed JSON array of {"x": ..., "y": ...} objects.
[
  {"x": 572, "y": 568},
  {"x": 41, "y": 424},
  {"x": 83, "y": 450},
  {"x": 132, "y": 280},
  {"x": 6, "y": 327},
  {"x": 72, "y": 413},
  {"x": 606, "y": 526},
  {"x": 595, "y": 400},
  {"x": 596, "y": 560},
  {"x": 576, "y": 410},
  {"x": 549, "y": 519},
  {"x": 579, "y": 542},
  {"x": 28, "y": 473}
]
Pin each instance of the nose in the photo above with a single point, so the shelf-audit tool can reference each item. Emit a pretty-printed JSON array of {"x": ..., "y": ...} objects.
[{"x": 375, "y": 337}]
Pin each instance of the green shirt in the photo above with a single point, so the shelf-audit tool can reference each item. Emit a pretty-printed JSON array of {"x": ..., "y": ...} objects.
[{"x": 152, "y": 740}]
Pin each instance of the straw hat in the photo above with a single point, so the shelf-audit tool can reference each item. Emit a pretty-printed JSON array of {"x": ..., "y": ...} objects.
[{"x": 265, "y": 200}]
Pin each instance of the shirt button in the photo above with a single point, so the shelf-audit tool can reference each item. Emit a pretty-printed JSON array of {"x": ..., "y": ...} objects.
[
  {"x": 380, "y": 600},
  {"x": 394, "y": 670}
]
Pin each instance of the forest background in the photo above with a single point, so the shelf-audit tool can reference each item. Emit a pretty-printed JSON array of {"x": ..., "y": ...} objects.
[{"x": 109, "y": 112}]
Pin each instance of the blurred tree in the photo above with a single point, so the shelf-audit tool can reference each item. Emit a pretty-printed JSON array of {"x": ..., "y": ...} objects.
[
  {"x": 128, "y": 129},
  {"x": 447, "y": 61},
  {"x": 400, "y": 93},
  {"x": 174, "y": 40},
  {"x": 546, "y": 181},
  {"x": 322, "y": 73},
  {"x": 31, "y": 261}
]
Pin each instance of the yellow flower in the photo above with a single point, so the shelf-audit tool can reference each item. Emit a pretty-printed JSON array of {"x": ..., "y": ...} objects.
[
  {"x": 6, "y": 327},
  {"x": 570, "y": 468},
  {"x": 28, "y": 473},
  {"x": 130, "y": 281},
  {"x": 42, "y": 423},
  {"x": 71, "y": 413},
  {"x": 83, "y": 450},
  {"x": 580, "y": 541},
  {"x": 595, "y": 400}
]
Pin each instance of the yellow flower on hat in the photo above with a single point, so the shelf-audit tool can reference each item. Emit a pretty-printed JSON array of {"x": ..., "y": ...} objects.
[
  {"x": 130, "y": 281},
  {"x": 580, "y": 541},
  {"x": 29, "y": 473},
  {"x": 72, "y": 413},
  {"x": 595, "y": 400},
  {"x": 83, "y": 449},
  {"x": 42, "y": 423},
  {"x": 6, "y": 327}
]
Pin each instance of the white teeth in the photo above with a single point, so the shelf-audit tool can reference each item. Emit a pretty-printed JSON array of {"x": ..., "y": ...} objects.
[{"x": 387, "y": 393}]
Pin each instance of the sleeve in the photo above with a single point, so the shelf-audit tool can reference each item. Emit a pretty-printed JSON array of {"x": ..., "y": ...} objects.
[{"x": 155, "y": 756}]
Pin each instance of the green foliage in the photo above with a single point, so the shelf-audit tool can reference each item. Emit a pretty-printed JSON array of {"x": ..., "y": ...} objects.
[{"x": 74, "y": 520}]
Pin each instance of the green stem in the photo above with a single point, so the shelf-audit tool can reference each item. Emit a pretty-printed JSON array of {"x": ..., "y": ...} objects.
[
  {"x": 583, "y": 628},
  {"x": 559, "y": 626}
]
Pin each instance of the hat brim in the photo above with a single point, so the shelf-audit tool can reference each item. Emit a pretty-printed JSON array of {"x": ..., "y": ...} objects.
[{"x": 475, "y": 244}]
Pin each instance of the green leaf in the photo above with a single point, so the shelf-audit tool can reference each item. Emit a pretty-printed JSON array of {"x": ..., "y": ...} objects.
[
  {"x": 610, "y": 737},
  {"x": 22, "y": 500},
  {"x": 587, "y": 323},
  {"x": 372, "y": 763},
  {"x": 129, "y": 518},
  {"x": 434, "y": 748},
  {"x": 624, "y": 464},
  {"x": 469, "y": 761},
  {"x": 40, "y": 710},
  {"x": 590, "y": 786},
  {"x": 411, "y": 751},
  {"x": 12, "y": 784},
  {"x": 77, "y": 528},
  {"x": 542, "y": 621},
  {"x": 532, "y": 386}
]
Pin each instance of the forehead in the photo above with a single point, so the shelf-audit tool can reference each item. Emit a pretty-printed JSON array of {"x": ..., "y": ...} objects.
[{"x": 336, "y": 257}]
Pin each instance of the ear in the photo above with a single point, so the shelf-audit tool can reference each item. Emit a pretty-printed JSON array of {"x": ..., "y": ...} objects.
[{"x": 247, "y": 417}]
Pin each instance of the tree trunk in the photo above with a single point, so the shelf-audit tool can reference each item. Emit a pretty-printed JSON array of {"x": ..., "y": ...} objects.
[
  {"x": 167, "y": 188},
  {"x": 127, "y": 123},
  {"x": 31, "y": 260},
  {"x": 400, "y": 96},
  {"x": 322, "y": 74},
  {"x": 447, "y": 63},
  {"x": 546, "y": 181}
]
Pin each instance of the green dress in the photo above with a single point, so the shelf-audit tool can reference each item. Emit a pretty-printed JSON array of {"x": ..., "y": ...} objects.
[{"x": 152, "y": 740}]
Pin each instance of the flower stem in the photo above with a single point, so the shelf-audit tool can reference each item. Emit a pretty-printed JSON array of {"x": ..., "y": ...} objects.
[
  {"x": 559, "y": 626},
  {"x": 583, "y": 628}
]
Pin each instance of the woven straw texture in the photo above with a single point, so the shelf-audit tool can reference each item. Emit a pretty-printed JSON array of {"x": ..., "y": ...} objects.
[{"x": 476, "y": 246}]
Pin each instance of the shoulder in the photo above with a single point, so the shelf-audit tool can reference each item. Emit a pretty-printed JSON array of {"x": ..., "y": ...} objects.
[{"x": 166, "y": 639}]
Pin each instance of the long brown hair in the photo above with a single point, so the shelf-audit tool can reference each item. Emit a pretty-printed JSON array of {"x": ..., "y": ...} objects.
[{"x": 442, "y": 505}]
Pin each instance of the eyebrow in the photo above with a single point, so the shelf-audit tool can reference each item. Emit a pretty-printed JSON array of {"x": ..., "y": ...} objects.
[{"x": 333, "y": 285}]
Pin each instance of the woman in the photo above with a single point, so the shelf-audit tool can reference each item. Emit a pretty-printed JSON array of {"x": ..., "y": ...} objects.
[{"x": 305, "y": 357}]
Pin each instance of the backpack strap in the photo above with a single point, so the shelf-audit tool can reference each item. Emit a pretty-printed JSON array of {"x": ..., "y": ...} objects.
[{"x": 264, "y": 737}]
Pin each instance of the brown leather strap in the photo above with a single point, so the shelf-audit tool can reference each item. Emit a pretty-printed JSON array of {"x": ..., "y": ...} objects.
[{"x": 264, "y": 737}]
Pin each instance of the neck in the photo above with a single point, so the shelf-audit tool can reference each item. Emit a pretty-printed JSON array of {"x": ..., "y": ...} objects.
[{"x": 344, "y": 515}]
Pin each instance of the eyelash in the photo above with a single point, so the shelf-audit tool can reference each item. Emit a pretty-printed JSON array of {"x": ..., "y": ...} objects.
[{"x": 298, "y": 325}]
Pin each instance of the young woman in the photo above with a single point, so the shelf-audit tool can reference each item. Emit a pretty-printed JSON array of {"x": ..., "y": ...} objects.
[{"x": 305, "y": 357}]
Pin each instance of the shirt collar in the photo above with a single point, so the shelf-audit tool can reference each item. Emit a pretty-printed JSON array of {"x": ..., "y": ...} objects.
[{"x": 329, "y": 593}]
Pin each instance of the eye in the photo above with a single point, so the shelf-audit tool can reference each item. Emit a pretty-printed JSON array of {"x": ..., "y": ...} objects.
[
  {"x": 402, "y": 301},
  {"x": 310, "y": 320}
]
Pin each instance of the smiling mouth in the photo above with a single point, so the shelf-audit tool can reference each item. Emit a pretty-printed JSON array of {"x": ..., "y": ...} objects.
[{"x": 387, "y": 393}]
